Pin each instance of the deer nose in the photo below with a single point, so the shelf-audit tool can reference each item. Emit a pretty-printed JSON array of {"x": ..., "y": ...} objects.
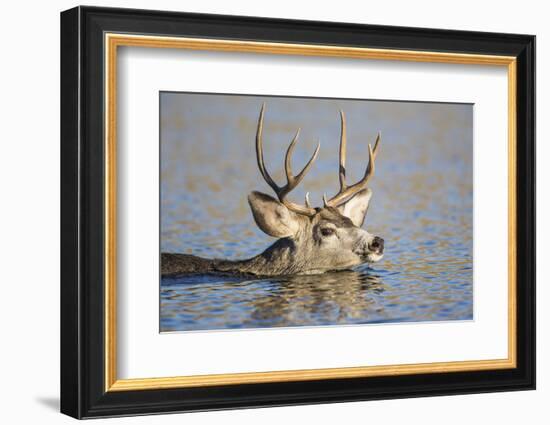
[{"x": 377, "y": 244}]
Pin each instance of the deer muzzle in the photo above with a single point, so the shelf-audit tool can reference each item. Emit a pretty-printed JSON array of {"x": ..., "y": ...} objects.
[
  {"x": 376, "y": 245},
  {"x": 371, "y": 249}
]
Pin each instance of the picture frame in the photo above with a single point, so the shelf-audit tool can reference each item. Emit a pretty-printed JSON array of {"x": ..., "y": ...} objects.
[{"x": 90, "y": 40}]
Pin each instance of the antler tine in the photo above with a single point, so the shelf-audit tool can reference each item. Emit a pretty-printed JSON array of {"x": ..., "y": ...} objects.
[
  {"x": 376, "y": 142},
  {"x": 375, "y": 151},
  {"x": 345, "y": 192},
  {"x": 288, "y": 157},
  {"x": 361, "y": 184},
  {"x": 260, "y": 153},
  {"x": 308, "y": 203},
  {"x": 343, "y": 143},
  {"x": 292, "y": 181}
]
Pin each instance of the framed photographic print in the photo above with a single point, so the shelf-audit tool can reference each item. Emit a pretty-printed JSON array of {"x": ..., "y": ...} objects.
[{"x": 261, "y": 212}]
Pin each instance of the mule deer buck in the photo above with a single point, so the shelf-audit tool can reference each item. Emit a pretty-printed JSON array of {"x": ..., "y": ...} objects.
[{"x": 311, "y": 240}]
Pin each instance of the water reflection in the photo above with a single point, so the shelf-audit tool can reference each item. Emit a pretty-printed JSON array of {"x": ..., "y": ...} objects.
[{"x": 208, "y": 302}]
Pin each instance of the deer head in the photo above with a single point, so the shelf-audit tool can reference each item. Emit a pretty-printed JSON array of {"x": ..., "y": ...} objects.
[{"x": 315, "y": 240}]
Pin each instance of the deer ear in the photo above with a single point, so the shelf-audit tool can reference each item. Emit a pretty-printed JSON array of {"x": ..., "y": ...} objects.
[
  {"x": 271, "y": 216},
  {"x": 356, "y": 208}
]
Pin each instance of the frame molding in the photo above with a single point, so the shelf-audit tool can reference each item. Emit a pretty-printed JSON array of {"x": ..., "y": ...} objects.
[
  {"x": 113, "y": 41},
  {"x": 89, "y": 41}
]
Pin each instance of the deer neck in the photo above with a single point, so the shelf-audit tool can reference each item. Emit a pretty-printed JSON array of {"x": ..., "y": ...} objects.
[{"x": 279, "y": 259}]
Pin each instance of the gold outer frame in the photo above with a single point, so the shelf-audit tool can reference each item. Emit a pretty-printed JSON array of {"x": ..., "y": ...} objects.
[{"x": 113, "y": 41}]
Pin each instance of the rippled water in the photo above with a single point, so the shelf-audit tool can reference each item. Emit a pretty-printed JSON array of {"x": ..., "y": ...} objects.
[{"x": 422, "y": 207}]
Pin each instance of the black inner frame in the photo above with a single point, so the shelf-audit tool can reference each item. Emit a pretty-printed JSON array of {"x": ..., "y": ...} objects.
[{"x": 82, "y": 206}]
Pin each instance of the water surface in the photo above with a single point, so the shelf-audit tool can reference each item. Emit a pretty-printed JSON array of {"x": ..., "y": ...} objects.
[{"x": 422, "y": 207}]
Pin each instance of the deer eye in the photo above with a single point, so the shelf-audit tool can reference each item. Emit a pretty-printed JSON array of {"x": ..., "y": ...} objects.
[{"x": 327, "y": 231}]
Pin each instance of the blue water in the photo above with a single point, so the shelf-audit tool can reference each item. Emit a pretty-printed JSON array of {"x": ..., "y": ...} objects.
[{"x": 422, "y": 207}]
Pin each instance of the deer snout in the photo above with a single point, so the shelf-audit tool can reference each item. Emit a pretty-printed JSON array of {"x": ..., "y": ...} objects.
[{"x": 377, "y": 245}]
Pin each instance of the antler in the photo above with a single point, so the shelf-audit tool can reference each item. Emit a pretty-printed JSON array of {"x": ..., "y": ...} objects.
[
  {"x": 346, "y": 192},
  {"x": 292, "y": 181}
]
